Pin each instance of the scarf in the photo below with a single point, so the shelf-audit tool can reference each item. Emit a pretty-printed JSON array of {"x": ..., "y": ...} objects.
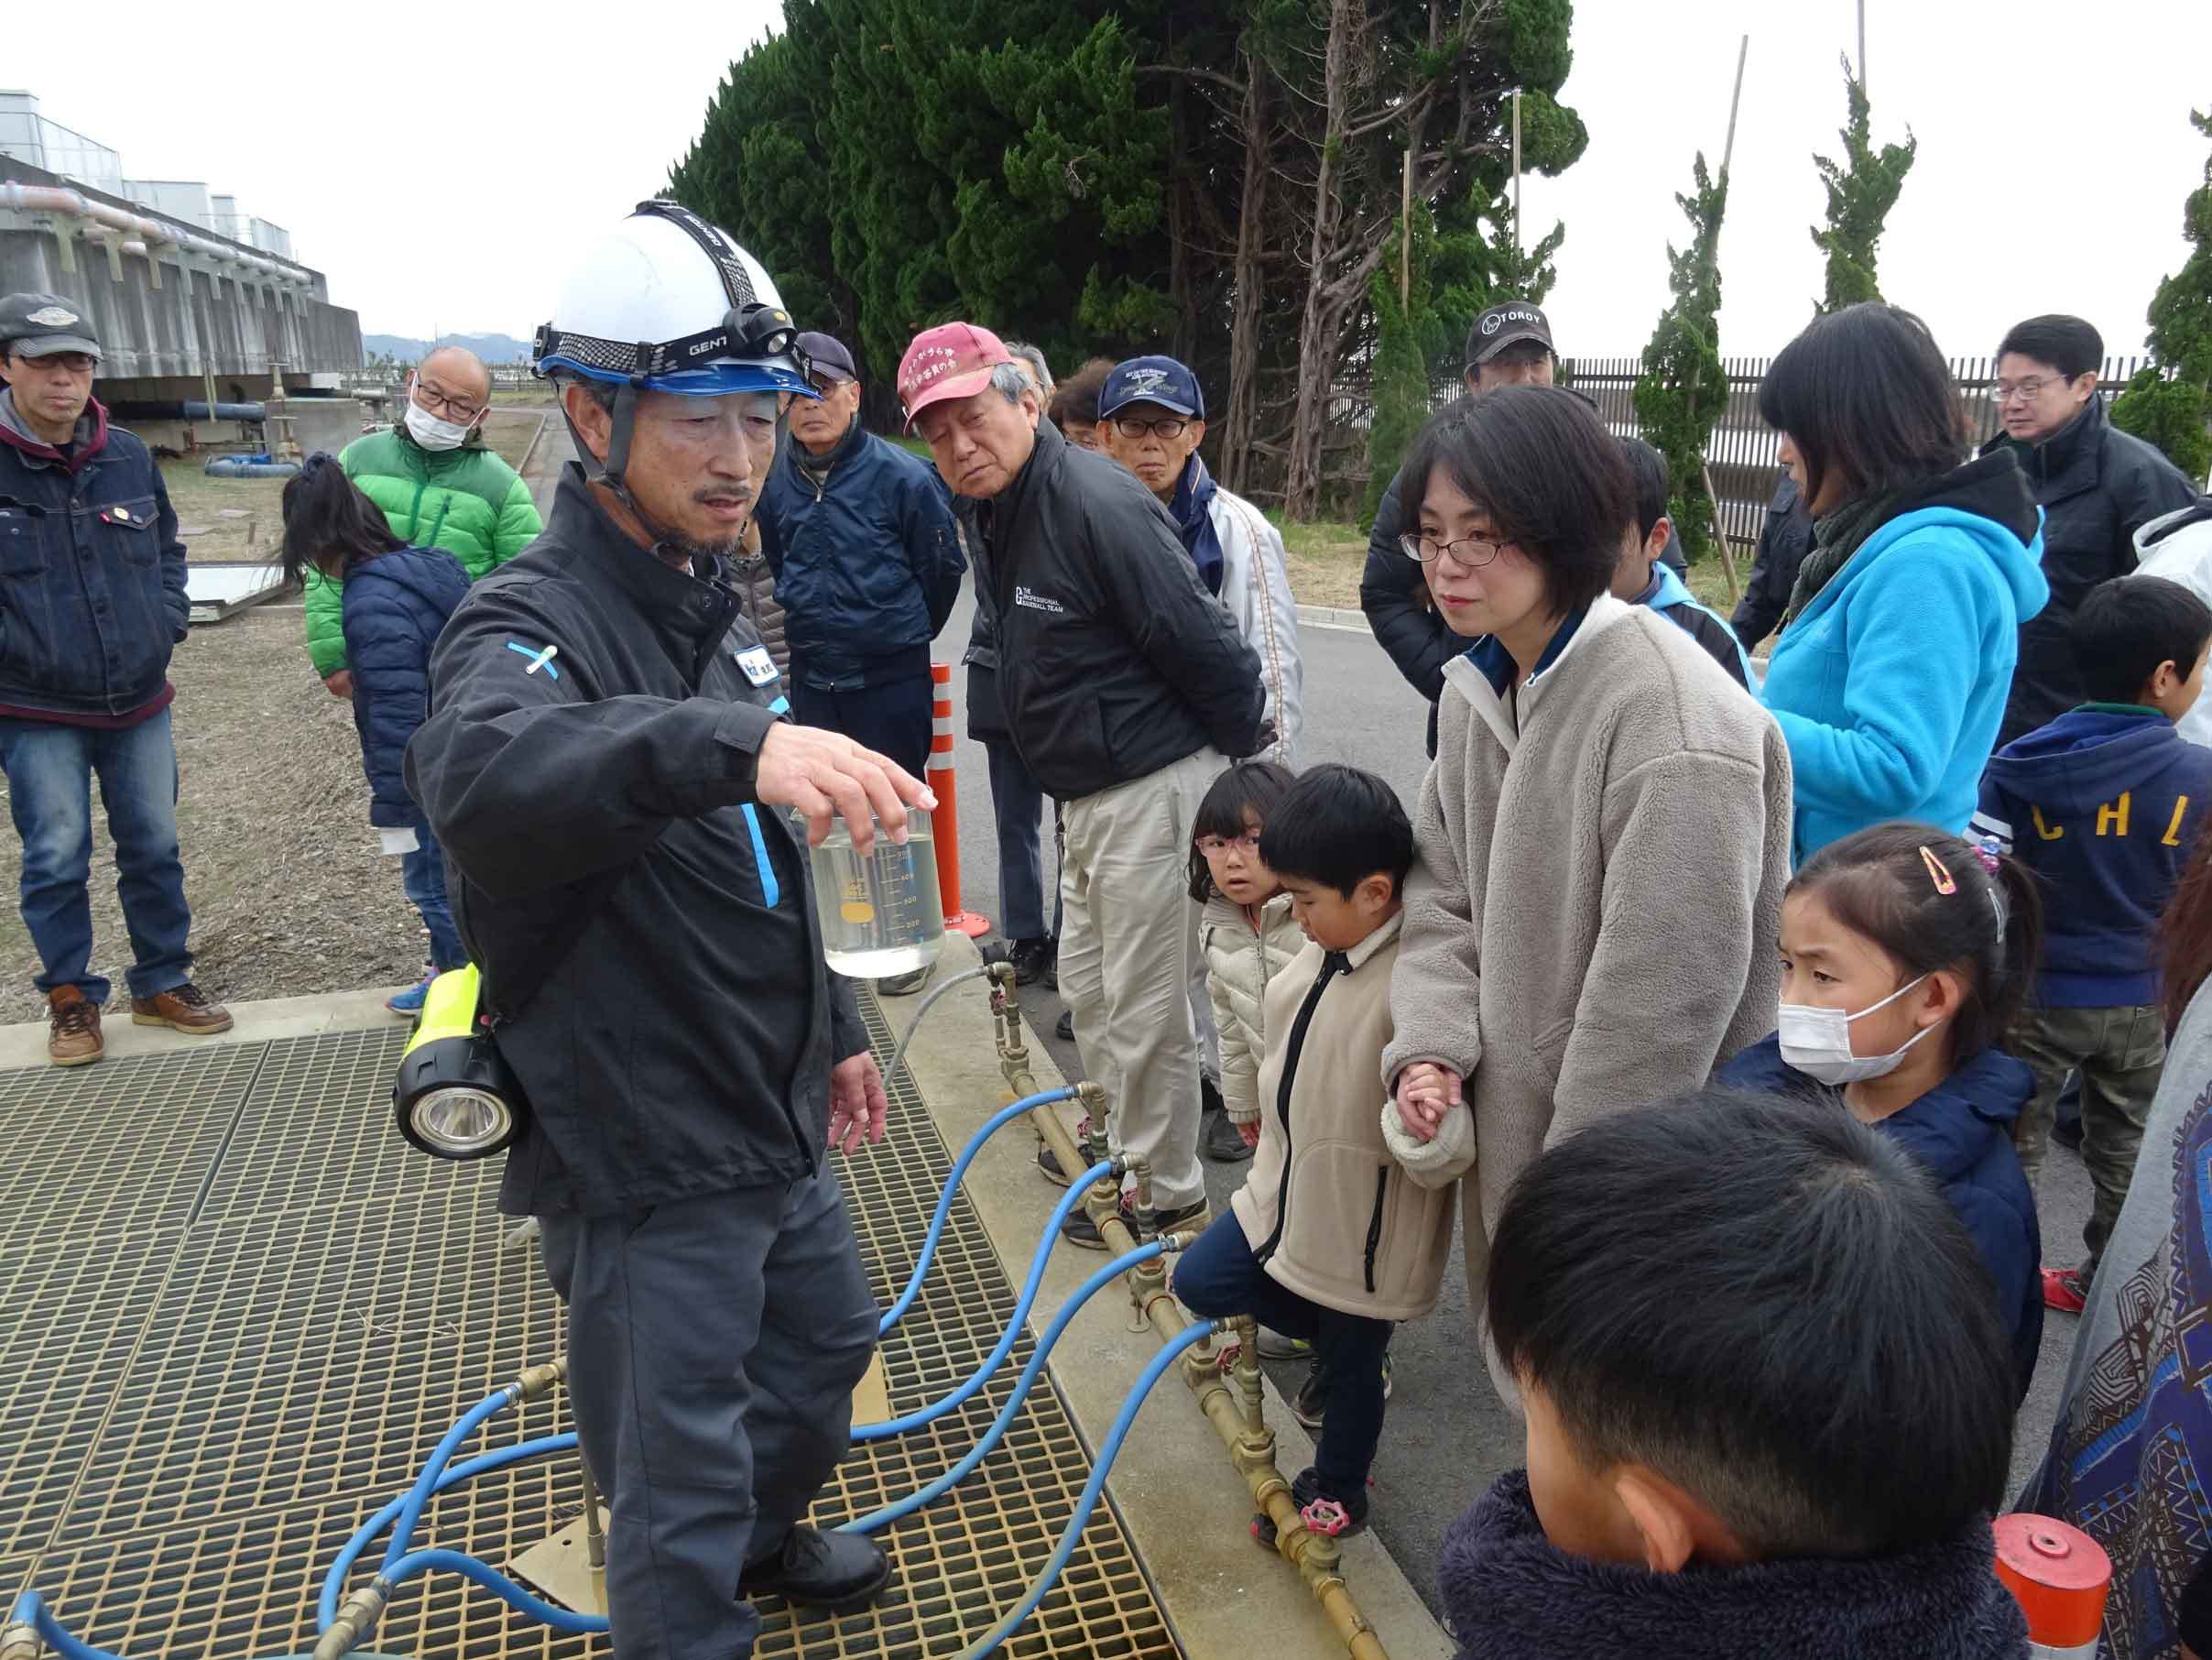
[
  {"x": 1194, "y": 495},
  {"x": 1834, "y": 539},
  {"x": 1513, "y": 1594}
]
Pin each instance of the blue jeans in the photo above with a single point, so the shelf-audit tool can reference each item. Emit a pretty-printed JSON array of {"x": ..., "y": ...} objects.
[
  {"x": 1017, "y": 805},
  {"x": 50, "y": 771},
  {"x": 1217, "y": 1277},
  {"x": 422, "y": 875}
]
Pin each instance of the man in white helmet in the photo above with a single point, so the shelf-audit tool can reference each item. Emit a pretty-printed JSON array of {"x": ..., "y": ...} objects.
[{"x": 606, "y": 766}]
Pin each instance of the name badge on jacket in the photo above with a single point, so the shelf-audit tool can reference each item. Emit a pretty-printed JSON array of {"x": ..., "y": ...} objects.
[{"x": 758, "y": 666}]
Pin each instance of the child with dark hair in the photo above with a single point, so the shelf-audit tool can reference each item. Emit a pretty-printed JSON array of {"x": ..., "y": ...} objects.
[
  {"x": 1330, "y": 1239},
  {"x": 1643, "y": 578},
  {"x": 396, "y": 601},
  {"x": 2104, "y": 804},
  {"x": 1769, "y": 1407},
  {"x": 1906, "y": 958}
]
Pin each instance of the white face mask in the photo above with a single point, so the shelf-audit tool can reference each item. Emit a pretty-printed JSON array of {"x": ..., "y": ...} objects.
[
  {"x": 1817, "y": 1041},
  {"x": 432, "y": 432}
]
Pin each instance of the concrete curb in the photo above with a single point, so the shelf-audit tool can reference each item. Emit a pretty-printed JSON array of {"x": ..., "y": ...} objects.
[
  {"x": 1186, "y": 1509},
  {"x": 1331, "y": 616},
  {"x": 255, "y": 1022}
]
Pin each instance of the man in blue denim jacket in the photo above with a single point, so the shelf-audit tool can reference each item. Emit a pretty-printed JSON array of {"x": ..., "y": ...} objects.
[{"x": 91, "y": 602}]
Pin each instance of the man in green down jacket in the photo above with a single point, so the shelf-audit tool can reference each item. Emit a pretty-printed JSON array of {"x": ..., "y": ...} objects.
[{"x": 439, "y": 487}]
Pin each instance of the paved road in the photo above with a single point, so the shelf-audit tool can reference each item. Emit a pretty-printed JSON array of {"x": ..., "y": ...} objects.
[{"x": 1447, "y": 1434}]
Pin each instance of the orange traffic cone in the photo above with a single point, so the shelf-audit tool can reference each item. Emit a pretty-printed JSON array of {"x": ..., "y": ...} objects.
[{"x": 2061, "y": 1575}]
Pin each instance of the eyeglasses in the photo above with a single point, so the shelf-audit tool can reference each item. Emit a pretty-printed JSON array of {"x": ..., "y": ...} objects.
[
  {"x": 2005, "y": 391},
  {"x": 1214, "y": 847},
  {"x": 1473, "y": 551},
  {"x": 452, "y": 406},
  {"x": 1169, "y": 427},
  {"x": 75, "y": 363},
  {"x": 826, "y": 383}
]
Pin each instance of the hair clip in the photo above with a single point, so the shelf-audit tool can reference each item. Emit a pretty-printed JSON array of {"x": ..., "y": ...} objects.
[
  {"x": 1938, "y": 872},
  {"x": 1988, "y": 855}
]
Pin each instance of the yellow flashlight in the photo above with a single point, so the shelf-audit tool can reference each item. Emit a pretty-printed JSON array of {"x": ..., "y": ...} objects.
[{"x": 455, "y": 1096}]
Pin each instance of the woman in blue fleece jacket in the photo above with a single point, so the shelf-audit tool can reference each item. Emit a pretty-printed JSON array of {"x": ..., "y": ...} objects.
[{"x": 1896, "y": 654}]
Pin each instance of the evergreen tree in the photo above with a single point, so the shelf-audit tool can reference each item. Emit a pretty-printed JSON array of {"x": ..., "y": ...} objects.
[
  {"x": 1682, "y": 390},
  {"x": 1861, "y": 192},
  {"x": 1408, "y": 338},
  {"x": 2167, "y": 404}
]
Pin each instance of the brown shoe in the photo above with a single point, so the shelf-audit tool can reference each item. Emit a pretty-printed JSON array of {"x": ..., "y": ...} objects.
[
  {"x": 75, "y": 1038},
  {"x": 186, "y": 1007}
]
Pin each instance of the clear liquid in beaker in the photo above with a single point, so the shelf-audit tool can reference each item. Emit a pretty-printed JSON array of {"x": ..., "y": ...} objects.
[{"x": 880, "y": 916}]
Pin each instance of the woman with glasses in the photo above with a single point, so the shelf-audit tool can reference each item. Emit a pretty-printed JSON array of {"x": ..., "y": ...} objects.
[
  {"x": 1603, "y": 841},
  {"x": 1897, "y": 649}
]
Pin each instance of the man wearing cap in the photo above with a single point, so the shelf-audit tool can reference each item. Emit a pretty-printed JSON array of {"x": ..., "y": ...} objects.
[
  {"x": 859, "y": 533},
  {"x": 92, "y": 602},
  {"x": 1151, "y": 418},
  {"x": 1126, "y": 688},
  {"x": 1510, "y": 345}
]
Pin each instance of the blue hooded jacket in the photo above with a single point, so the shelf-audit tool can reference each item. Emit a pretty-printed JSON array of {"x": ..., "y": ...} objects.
[
  {"x": 1889, "y": 685},
  {"x": 1961, "y": 1134},
  {"x": 2104, "y": 805},
  {"x": 396, "y": 605},
  {"x": 1669, "y": 596}
]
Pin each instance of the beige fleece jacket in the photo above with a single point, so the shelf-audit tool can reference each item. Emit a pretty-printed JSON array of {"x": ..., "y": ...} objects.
[
  {"x": 1240, "y": 961},
  {"x": 1591, "y": 917}
]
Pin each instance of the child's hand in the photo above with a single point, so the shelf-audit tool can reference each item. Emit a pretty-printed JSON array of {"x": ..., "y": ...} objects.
[
  {"x": 1425, "y": 1092},
  {"x": 1250, "y": 1132}
]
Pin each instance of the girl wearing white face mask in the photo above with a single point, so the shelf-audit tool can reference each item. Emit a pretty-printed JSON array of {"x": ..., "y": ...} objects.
[{"x": 1906, "y": 956}]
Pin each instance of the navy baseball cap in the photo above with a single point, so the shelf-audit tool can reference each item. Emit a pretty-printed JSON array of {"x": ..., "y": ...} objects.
[
  {"x": 1159, "y": 380},
  {"x": 827, "y": 352}
]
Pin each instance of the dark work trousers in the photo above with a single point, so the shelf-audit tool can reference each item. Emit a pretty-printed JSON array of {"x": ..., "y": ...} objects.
[
  {"x": 713, "y": 1345},
  {"x": 1217, "y": 1278},
  {"x": 1018, "y": 806},
  {"x": 892, "y": 719}
]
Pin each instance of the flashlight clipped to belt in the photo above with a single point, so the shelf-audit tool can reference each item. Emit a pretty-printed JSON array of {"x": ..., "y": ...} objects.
[{"x": 455, "y": 1096}]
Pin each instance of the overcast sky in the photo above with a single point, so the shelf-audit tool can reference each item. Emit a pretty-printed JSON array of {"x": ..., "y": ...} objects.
[{"x": 435, "y": 160}]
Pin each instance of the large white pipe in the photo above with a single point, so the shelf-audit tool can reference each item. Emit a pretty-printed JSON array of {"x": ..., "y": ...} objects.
[{"x": 148, "y": 232}]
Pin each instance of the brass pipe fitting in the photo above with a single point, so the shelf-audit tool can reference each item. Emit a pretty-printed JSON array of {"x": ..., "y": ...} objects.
[
  {"x": 540, "y": 1379},
  {"x": 355, "y": 1619}
]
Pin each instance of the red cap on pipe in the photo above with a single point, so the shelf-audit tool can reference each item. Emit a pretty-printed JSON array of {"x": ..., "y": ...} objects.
[{"x": 2059, "y": 1574}]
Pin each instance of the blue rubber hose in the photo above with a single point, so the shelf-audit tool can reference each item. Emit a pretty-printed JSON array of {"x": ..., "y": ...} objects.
[
  {"x": 410, "y": 1511},
  {"x": 961, "y": 1472},
  {"x": 333, "y": 1582},
  {"x": 31, "y": 1610},
  {"x": 497, "y": 1583},
  {"x": 997, "y": 1122},
  {"x": 982, "y": 1374},
  {"x": 1152, "y": 1373}
]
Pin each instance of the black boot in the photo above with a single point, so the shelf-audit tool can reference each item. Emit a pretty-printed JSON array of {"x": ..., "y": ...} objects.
[{"x": 835, "y": 1571}]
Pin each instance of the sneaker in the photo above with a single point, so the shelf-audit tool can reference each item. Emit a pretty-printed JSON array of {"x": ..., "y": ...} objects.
[
  {"x": 1275, "y": 1346},
  {"x": 1222, "y": 1141},
  {"x": 2064, "y": 1290},
  {"x": 184, "y": 1009},
  {"x": 1049, "y": 1162},
  {"x": 1326, "y": 1510},
  {"x": 72, "y": 1038},
  {"x": 1209, "y": 1096},
  {"x": 1311, "y": 1403},
  {"x": 1031, "y": 960},
  {"x": 1065, "y": 1028},
  {"x": 833, "y": 1571},
  {"x": 905, "y": 985},
  {"x": 1079, "y": 1230},
  {"x": 409, "y": 1002}
]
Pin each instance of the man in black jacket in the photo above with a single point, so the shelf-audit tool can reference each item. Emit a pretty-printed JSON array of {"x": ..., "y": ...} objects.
[
  {"x": 1783, "y": 541},
  {"x": 2096, "y": 485},
  {"x": 1125, "y": 685},
  {"x": 606, "y": 764}
]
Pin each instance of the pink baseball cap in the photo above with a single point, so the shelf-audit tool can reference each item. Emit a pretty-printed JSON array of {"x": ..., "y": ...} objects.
[{"x": 952, "y": 360}]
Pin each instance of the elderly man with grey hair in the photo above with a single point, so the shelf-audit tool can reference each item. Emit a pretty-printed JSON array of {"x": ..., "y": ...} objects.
[{"x": 1127, "y": 689}]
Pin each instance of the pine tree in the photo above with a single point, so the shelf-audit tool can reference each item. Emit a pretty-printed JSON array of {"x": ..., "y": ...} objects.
[
  {"x": 2167, "y": 404},
  {"x": 1682, "y": 390},
  {"x": 1407, "y": 339},
  {"x": 1862, "y": 192}
]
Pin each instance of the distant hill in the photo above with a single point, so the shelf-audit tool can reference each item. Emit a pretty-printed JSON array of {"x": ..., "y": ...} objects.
[{"x": 492, "y": 348}]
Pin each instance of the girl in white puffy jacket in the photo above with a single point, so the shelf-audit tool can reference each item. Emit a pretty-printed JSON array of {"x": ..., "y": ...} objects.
[{"x": 1246, "y": 931}]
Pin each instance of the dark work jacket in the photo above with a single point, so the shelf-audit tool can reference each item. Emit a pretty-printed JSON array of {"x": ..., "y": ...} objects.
[
  {"x": 395, "y": 606},
  {"x": 1783, "y": 541},
  {"x": 1393, "y": 593},
  {"x": 987, "y": 714},
  {"x": 2096, "y": 485},
  {"x": 683, "y": 1043},
  {"x": 1114, "y": 661},
  {"x": 868, "y": 566},
  {"x": 92, "y": 574},
  {"x": 1961, "y": 1134}
]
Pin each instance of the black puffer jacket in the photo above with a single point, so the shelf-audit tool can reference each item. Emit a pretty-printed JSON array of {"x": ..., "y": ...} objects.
[
  {"x": 588, "y": 762},
  {"x": 1783, "y": 541},
  {"x": 2096, "y": 485},
  {"x": 1114, "y": 660}
]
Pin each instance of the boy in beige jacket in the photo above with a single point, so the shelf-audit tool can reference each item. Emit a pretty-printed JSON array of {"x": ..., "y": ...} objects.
[{"x": 1329, "y": 1239}]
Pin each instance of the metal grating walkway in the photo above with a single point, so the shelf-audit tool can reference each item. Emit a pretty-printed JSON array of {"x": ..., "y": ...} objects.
[{"x": 236, "y": 1312}]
